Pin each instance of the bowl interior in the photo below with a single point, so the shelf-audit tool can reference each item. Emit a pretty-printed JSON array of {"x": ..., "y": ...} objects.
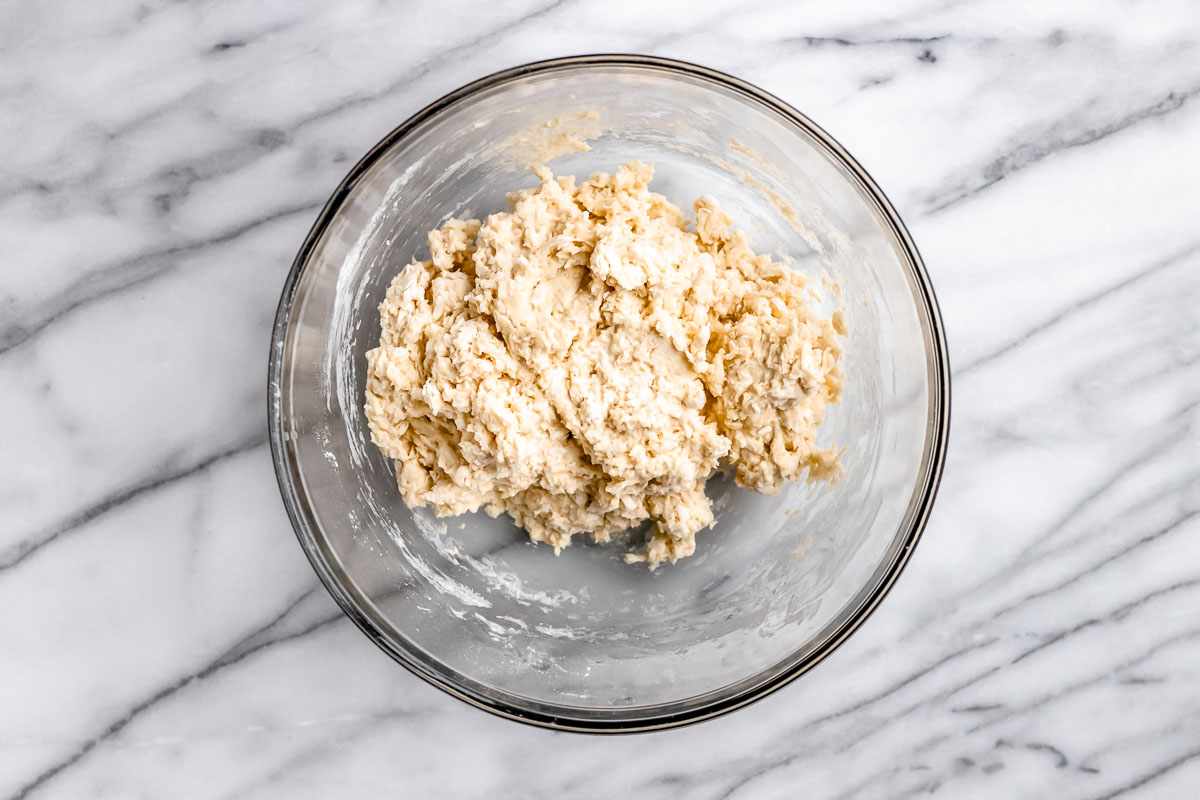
[{"x": 582, "y": 638}]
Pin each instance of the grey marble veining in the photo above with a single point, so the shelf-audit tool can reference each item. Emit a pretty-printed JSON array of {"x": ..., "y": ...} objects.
[{"x": 162, "y": 634}]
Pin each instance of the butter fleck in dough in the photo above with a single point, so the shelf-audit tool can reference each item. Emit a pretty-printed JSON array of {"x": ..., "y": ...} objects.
[{"x": 584, "y": 362}]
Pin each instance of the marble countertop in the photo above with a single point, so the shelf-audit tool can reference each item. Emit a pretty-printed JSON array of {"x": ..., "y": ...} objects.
[{"x": 162, "y": 163}]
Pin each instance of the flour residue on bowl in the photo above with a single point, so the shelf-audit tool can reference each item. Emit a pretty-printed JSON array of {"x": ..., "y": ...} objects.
[
  {"x": 501, "y": 582},
  {"x": 540, "y": 144}
]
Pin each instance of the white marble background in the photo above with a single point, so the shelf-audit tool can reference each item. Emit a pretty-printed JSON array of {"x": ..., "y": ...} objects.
[{"x": 161, "y": 634}]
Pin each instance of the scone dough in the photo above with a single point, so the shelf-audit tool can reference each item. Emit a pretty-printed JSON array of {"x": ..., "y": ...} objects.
[{"x": 584, "y": 362}]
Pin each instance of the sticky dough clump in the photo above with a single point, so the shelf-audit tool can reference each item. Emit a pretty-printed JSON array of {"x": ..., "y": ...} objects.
[{"x": 585, "y": 362}]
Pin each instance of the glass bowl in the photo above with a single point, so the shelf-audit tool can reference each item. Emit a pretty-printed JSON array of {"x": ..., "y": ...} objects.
[{"x": 583, "y": 641}]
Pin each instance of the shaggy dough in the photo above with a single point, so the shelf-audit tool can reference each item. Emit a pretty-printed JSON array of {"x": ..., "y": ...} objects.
[{"x": 584, "y": 362}]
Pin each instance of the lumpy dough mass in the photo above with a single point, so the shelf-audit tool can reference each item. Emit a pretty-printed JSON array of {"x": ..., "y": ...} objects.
[{"x": 584, "y": 362}]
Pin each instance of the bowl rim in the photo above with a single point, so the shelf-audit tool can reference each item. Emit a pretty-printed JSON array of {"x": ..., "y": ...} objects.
[{"x": 920, "y": 504}]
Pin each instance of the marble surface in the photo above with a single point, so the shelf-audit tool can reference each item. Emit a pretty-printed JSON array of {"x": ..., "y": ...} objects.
[{"x": 163, "y": 636}]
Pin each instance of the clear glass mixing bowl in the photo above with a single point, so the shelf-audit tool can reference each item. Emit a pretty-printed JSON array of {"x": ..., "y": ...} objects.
[{"x": 583, "y": 641}]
